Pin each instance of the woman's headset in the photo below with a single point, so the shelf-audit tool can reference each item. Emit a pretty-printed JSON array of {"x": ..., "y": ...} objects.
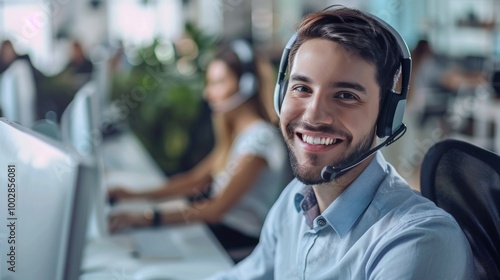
[{"x": 248, "y": 84}]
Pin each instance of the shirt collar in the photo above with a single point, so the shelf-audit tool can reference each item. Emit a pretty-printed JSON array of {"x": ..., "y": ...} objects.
[
  {"x": 305, "y": 202},
  {"x": 343, "y": 212}
]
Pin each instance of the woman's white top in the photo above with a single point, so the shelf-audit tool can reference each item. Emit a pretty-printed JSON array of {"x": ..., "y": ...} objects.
[{"x": 260, "y": 139}]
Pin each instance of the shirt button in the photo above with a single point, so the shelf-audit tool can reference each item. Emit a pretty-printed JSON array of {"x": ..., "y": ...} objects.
[{"x": 321, "y": 222}]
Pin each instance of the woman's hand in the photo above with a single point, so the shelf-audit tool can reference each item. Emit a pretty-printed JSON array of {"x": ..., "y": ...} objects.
[{"x": 122, "y": 221}]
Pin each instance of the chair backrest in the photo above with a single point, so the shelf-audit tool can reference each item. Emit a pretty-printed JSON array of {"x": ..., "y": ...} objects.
[{"x": 464, "y": 180}]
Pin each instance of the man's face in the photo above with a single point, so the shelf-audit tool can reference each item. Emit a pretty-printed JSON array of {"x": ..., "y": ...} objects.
[{"x": 330, "y": 109}]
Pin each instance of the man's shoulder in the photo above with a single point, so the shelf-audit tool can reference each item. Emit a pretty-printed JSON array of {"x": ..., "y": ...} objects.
[
  {"x": 403, "y": 208},
  {"x": 404, "y": 205},
  {"x": 418, "y": 231},
  {"x": 403, "y": 216}
]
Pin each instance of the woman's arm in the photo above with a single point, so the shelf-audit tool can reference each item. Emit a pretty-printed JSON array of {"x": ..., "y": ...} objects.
[
  {"x": 211, "y": 210},
  {"x": 188, "y": 183}
]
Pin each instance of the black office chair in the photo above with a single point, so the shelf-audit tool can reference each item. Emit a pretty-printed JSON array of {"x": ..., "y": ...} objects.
[{"x": 464, "y": 180}]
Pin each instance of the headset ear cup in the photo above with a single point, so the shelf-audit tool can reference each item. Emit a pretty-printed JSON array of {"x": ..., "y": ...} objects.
[
  {"x": 391, "y": 114},
  {"x": 382, "y": 116},
  {"x": 248, "y": 85},
  {"x": 283, "y": 88},
  {"x": 279, "y": 95}
]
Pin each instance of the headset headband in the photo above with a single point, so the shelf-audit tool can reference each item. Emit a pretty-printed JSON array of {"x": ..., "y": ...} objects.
[{"x": 248, "y": 83}]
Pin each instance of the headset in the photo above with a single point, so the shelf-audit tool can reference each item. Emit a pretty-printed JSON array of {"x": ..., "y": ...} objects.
[
  {"x": 390, "y": 119},
  {"x": 248, "y": 83}
]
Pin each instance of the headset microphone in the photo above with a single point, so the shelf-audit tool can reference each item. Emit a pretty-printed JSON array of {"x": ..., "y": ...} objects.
[{"x": 330, "y": 173}]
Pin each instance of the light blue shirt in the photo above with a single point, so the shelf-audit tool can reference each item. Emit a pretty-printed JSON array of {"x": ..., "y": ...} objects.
[{"x": 378, "y": 228}]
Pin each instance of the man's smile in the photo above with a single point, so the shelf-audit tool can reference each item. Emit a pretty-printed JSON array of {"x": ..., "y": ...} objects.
[{"x": 318, "y": 140}]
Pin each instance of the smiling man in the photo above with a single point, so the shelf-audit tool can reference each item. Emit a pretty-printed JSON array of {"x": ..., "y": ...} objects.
[
  {"x": 329, "y": 112},
  {"x": 348, "y": 214}
]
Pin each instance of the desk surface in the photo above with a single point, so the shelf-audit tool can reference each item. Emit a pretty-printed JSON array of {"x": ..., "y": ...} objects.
[
  {"x": 197, "y": 254},
  {"x": 200, "y": 256}
]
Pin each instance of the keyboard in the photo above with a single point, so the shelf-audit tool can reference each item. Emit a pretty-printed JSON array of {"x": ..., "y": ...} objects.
[{"x": 154, "y": 243}]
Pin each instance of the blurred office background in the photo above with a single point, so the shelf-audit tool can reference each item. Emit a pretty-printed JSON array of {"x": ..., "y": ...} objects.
[{"x": 148, "y": 58}]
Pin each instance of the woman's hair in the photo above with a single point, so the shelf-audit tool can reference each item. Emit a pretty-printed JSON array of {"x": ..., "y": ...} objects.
[
  {"x": 262, "y": 101},
  {"x": 420, "y": 53},
  {"x": 358, "y": 34}
]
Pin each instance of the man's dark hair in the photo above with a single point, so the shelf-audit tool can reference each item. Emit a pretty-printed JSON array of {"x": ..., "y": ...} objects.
[{"x": 357, "y": 33}]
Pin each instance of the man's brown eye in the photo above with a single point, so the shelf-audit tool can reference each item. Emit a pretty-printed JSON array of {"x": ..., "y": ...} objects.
[
  {"x": 347, "y": 95},
  {"x": 301, "y": 89}
]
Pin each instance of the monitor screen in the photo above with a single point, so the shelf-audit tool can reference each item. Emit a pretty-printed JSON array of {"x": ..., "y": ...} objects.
[
  {"x": 17, "y": 93},
  {"x": 44, "y": 201},
  {"x": 101, "y": 76},
  {"x": 79, "y": 123},
  {"x": 80, "y": 130}
]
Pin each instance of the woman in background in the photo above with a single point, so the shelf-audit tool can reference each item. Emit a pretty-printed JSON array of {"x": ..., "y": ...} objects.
[{"x": 246, "y": 170}]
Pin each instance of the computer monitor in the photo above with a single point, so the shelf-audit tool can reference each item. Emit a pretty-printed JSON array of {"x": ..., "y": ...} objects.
[
  {"x": 79, "y": 121},
  {"x": 80, "y": 130},
  {"x": 17, "y": 93},
  {"x": 44, "y": 200},
  {"x": 102, "y": 76}
]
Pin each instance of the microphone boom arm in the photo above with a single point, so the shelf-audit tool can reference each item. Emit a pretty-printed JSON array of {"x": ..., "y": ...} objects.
[{"x": 330, "y": 173}]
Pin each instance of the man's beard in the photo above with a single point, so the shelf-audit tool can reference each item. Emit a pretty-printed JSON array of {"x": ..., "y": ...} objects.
[{"x": 313, "y": 177}]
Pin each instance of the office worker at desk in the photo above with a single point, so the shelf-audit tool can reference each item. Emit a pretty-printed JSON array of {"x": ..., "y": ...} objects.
[
  {"x": 247, "y": 169},
  {"x": 348, "y": 214}
]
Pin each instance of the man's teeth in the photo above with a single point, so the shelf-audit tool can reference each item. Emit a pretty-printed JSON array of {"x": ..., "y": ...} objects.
[{"x": 318, "y": 140}]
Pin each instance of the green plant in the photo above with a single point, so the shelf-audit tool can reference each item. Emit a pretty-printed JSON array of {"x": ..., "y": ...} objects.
[{"x": 167, "y": 111}]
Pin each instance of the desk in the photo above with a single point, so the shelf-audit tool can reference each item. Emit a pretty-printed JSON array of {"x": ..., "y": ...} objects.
[
  {"x": 201, "y": 256},
  {"x": 112, "y": 257},
  {"x": 125, "y": 152}
]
